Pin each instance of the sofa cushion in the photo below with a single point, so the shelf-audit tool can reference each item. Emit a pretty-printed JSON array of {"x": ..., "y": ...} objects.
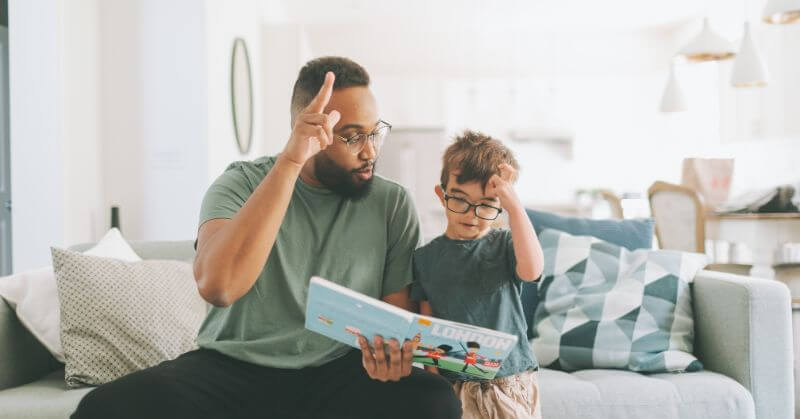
[
  {"x": 119, "y": 317},
  {"x": 45, "y": 398},
  {"x": 33, "y": 293},
  {"x": 589, "y": 394},
  {"x": 617, "y": 394},
  {"x": 631, "y": 234},
  {"x": 603, "y": 306}
]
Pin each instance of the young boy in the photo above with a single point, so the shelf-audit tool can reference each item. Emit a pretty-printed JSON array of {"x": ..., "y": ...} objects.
[{"x": 473, "y": 273}]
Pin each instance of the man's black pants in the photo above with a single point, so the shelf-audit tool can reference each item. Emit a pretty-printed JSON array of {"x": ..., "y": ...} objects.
[{"x": 207, "y": 384}]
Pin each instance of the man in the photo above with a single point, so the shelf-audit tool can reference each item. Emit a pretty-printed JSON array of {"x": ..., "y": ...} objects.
[{"x": 265, "y": 228}]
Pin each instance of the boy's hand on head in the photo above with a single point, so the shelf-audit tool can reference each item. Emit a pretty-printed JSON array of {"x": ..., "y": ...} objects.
[{"x": 501, "y": 186}]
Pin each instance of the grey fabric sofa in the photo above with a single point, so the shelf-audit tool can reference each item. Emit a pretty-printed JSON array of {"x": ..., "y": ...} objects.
[{"x": 744, "y": 339}]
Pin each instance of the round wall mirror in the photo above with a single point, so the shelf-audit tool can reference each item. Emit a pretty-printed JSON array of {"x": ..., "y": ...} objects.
[{"x": 241, "y": 95}]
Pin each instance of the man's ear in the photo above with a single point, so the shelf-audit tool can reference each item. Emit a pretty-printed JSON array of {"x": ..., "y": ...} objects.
[{"x": 439, "y": 193}]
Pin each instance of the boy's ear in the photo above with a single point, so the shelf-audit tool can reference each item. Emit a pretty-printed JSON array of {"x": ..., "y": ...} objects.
[{"x": 439, "y": 193}]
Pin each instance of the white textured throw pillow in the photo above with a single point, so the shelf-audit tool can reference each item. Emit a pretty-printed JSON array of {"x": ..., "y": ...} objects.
[
  {"x": 113, "y": 245},
  {"x": 33, "y": 293},
  {"x": 119, "y": 317}
]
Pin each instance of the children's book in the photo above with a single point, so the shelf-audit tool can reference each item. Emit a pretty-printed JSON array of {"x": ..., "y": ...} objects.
[{"x": 342, "y": 314}]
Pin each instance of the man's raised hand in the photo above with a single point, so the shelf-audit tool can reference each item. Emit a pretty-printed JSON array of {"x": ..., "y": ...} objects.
[{"x": 313, "y": 130}]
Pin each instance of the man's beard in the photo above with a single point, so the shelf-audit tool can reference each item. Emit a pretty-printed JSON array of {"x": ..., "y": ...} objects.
[{"x": 340, "y": 180}]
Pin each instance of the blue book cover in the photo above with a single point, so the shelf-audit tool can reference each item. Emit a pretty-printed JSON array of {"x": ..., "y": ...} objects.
[{"x": 342, "y": 314}]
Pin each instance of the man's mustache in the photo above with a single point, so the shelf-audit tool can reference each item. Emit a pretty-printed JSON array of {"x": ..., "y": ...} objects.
[{"x": 364, "y": 167}]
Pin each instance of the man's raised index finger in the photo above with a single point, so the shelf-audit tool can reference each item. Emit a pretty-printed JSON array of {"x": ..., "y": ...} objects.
[{"x": 319, "y": 102}]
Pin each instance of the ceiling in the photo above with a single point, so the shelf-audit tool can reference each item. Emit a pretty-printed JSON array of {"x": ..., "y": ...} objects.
[
  {"x": 539, "y": 14},
  {"x": 478, "y": 38}
]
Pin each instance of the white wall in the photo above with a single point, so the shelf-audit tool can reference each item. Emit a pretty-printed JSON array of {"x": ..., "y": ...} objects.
[
  {"x": 37, "y": 132},
  {"x": 56, "y": 176},
  {"x": 105, "y": 101},
  {"x": 227, "y": 21},
  {"x": 154, "y": 84},
  {"x": 607, "y": 86},
  {"x": 121, "y": 119},
  {"x": 286, "y": 49},
  {"x": 170, "y": 123},
  {"x": 83, "y": 176},
  {"x": 607, "y": 82},
  {"x": 127, "y": 103}
]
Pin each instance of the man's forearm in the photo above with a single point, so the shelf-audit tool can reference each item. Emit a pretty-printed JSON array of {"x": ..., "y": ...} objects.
[{"x": 231, "y": 259}]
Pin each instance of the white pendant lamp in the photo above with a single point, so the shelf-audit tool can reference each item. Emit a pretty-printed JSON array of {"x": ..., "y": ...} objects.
[
  {"x": 672, "y": 100},
  {"x": 707, "y": 46},
  {"x": 748, "y": 69},
  {"x": 781, "y": 11}
]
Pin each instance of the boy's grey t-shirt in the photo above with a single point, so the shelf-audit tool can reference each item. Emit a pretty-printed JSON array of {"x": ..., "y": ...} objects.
[
  {"x": 475, "y": 282},
  {"x": 365, "y": 245}
]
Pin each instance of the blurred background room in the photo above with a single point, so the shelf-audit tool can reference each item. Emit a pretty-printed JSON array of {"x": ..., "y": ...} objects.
[
  {"x": 123, "y": 103},
  {"x": 120, "y": 113}
]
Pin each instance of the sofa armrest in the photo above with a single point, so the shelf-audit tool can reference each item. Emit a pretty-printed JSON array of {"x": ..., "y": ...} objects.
[
  {"x": 22, "y": 358},
  {"x": 743, "y": 328}
]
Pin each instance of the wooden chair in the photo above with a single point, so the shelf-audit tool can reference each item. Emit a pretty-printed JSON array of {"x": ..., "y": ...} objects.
[
  {"x": 679, "y": 216},
  {"x": 681, "y": 224},
  {"x": 614, "y": 202}
]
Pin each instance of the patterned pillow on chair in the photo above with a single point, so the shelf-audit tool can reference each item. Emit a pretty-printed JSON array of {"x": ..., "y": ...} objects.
[{"x": 603, "y": 306}]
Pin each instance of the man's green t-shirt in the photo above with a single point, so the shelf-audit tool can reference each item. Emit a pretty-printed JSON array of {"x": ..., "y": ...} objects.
[{"x": 365, "y": 245}]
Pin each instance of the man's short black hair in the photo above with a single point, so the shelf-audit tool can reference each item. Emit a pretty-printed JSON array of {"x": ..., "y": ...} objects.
[{"x": 348, "y": 74}]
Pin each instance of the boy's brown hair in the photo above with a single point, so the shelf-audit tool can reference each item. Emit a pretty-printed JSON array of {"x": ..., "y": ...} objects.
[{"x": 477, "y": 157}]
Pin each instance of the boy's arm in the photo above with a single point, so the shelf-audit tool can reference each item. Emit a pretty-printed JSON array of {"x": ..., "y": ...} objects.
[
  {"x": 426, "y": 310},
  {"x": 527, "y": 250}
]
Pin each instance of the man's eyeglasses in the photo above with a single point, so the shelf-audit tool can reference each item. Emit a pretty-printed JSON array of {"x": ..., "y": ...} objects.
[
  {"x": 356, "y": 142},
  {"x": 461, "y": 206}
]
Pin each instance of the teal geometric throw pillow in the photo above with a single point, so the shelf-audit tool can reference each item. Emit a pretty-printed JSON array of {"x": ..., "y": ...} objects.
[{"x": 603, "y": 306}]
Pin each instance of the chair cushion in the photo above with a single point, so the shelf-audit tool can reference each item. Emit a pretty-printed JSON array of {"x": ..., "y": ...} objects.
[
  {"x": 596, "y": 394},
  {"x": 45, "y": 398}
]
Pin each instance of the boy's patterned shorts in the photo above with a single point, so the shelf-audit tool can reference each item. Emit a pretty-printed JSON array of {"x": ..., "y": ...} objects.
[{"x": 515, "y": 396}]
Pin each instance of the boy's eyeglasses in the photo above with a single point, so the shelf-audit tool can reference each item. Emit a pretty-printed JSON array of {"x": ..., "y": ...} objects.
[
  {"x": 356, "y": 142},
  {"x": 462, "y": 206}
]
